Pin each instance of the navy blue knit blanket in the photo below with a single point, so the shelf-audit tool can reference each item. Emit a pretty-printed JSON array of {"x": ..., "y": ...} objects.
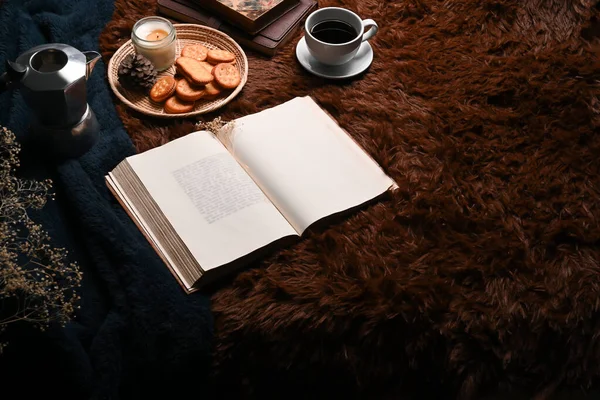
[{"x": 137, "y": 334}]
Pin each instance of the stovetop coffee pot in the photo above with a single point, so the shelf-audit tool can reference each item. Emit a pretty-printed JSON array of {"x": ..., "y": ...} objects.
[{"x": 52, "y": 79}]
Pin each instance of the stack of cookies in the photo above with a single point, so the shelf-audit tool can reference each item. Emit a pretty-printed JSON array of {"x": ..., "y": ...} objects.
[{"x": 202, "y": 74}]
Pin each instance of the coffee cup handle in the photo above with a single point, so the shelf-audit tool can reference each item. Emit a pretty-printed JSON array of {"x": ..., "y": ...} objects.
[{"x": 370, "y": 28}]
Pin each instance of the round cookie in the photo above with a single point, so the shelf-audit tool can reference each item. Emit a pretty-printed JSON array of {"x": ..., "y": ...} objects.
[
  {"x": 212, "y": 67},
  {"x": 220, "y": 56},
  {"x": 227, "y": 76},
  {"x": 187, "y": 92},
  {"x": 163, "y": 89},
  {"x": 175, "y": 106},
  {"x": 195, "y": 51}
]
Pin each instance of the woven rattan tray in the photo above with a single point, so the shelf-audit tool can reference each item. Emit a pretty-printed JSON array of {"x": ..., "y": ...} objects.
[{"x": 186, "y": 34}]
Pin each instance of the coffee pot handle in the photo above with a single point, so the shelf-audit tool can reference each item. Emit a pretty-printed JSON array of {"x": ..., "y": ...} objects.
[
  {"x": 13, "y": 75},
  {"x": 370, "y": 28}
]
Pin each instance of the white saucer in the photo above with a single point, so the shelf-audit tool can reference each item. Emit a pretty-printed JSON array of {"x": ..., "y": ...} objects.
[{"x": 358, "y": 64}]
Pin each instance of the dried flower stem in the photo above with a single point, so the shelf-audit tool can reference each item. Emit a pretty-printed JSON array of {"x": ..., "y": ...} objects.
[{"x": 37, "y": 283}]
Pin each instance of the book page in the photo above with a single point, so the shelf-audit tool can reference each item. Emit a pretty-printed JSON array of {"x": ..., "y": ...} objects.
[
  {"x": 216, "y": 208},
  {"x": 308, "y": 166}
]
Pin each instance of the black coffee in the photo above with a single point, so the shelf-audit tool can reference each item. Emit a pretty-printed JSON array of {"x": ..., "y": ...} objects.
[{"x": 334, "y": 31}]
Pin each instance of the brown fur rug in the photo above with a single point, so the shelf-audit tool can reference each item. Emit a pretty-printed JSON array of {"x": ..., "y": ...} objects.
[{"x": 483, "y": 271}]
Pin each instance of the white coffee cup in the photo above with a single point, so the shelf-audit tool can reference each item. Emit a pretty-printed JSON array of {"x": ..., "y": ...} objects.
[{"x": 330, "y": 53}]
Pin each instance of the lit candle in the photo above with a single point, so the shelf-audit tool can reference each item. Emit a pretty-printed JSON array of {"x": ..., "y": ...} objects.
[{"x": 154, "y": 38}]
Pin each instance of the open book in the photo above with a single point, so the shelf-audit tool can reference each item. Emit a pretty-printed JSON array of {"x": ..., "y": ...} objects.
[{"x": 208, "y": 202}]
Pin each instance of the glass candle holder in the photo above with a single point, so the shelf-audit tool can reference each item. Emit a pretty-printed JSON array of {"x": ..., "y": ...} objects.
[{"x": 154, "y": 38}]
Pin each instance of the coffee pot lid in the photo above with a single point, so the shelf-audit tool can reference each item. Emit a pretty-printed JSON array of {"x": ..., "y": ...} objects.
[{"x": 52, "y": 66}]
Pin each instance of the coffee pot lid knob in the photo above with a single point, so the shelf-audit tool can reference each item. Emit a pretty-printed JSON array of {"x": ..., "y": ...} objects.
[
  {"x": 15, "y": 69},
  {"x": 13, "y": 75}
]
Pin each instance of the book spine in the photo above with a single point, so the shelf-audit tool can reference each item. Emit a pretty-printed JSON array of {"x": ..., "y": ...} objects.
[{"x": 179, "y": 16}]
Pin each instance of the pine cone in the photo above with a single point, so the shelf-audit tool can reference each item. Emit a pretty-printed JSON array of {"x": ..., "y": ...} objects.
[{"x": 136, "y": 72}]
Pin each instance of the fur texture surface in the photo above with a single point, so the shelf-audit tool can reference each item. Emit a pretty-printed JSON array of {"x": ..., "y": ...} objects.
[{"x": 483, "y": 270}]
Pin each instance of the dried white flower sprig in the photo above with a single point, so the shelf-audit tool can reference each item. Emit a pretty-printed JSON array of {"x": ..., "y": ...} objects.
[
  {"x": 223, "y": 130},
  {"x": 37, "y": 283}
]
